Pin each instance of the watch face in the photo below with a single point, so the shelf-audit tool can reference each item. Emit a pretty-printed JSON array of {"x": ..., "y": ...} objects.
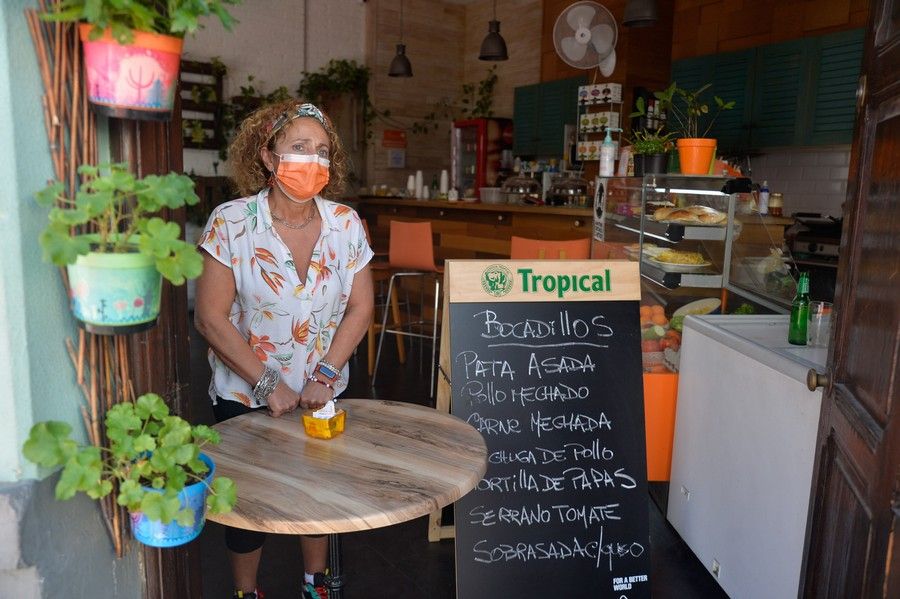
[{"x": 328, "y": 372}]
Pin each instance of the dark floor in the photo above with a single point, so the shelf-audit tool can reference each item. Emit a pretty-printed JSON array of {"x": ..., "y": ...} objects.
[{"x": 398, "y": 561}]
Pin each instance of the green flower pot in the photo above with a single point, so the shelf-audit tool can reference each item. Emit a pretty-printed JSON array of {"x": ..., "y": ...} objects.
[{"x": 113, "y": 294}]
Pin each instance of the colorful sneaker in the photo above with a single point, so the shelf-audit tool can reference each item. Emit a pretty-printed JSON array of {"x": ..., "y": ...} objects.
[
  {"x": 317, "y": 589},
  {"x": 257, "y": 594}
]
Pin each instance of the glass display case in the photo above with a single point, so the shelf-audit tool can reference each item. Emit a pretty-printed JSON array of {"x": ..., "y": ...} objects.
[{"x": 701, "y": 249}]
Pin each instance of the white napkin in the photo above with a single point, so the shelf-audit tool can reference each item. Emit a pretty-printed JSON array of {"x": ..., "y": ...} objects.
[{"x": 325, "y": 412}]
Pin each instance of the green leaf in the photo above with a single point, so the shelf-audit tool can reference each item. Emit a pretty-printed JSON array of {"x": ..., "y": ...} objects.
[
  {"x": 185, "y": 517},
  {"x": 130, "y": 495},
  {"x": 203, "y": 433},
  {"x": 102, "y": 489},
  {"x": 176, "y": 478},
  {"x": 60, "y": 247},
  {"x": 175, "y": 432},
  {"x": 151, "y": 405},
  {"x": 49, "y": 195},
  {"x": 158, "y": 482},
  {"x": 82, "y": 472},
  {"x": 121, "y": 420},
  {"x": 144, "y": 443},
  {"x": 48, "y": 444},
  {"x": 162, "y": 459},
  {"x": 159, "y": 506},
  {"x": 197, "y": 466},
  {"x": 223, "y": 496},
  {"x": 185, "y": 453}
]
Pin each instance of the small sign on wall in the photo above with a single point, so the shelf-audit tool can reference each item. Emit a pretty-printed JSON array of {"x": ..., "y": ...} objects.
[
  {"x": 396, "y": 158},
  {"x": 393, "y": 138}
]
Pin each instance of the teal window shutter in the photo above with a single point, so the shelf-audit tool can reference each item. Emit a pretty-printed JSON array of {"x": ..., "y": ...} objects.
[
  {"x": 733, "y": 81},
  {"x": 525, "y": 119},
  {"x": 778, "y": 95},
  {"x": 834, "y": 81}
]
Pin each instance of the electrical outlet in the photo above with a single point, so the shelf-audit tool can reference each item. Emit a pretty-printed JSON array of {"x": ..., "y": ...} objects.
[
  {"x": 716, "y": 568},
  {"x": 686, "y": 493}
]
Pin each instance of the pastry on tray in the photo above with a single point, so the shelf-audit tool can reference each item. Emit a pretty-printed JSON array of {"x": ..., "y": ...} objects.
[{"x": 696, "y": 215}]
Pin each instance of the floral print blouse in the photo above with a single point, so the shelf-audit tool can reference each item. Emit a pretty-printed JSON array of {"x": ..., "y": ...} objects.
[{"x": 288, "y": 323}]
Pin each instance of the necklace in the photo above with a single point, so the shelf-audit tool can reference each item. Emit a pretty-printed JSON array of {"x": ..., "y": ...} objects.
[{"x": 290, "y": 225}]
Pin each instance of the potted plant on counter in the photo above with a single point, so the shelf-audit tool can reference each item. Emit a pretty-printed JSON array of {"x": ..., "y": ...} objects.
[
  {"x": 115, "y": 269},
  {"x": 693, "y": 117},
  {"x": 651, "y": 150},
  {"x": 132, "y": 49},
  {"x": 153, "y": 463}
]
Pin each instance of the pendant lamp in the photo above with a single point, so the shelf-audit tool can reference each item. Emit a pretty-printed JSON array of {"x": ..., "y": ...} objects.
[
  {"x": 400, "y": 66},
  {"x": 493, "y": 47},
  {"x": 640, "y": 13}
]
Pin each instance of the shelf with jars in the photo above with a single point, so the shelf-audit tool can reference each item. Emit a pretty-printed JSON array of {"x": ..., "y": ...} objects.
[{"x": 599, "y": 108}]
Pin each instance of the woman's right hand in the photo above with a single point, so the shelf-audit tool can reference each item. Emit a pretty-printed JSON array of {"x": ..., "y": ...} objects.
[{"x": 283, "y": 400}]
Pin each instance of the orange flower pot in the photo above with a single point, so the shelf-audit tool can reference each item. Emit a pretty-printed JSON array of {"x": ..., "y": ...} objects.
[
  {"x": 696, "y": 155},
  {"x": 137, "y": 81}
]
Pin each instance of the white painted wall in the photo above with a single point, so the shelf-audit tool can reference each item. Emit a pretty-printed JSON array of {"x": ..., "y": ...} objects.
[{"x": 275, "y": 43}]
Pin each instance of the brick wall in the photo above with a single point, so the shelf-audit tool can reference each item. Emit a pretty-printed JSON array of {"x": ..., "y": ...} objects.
[
  {"x": 442, "y": 42},
  {"x": 711, "y": 26}
]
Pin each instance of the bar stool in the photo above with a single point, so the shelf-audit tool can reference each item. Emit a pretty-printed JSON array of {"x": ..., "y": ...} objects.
[
  {"x": 522, "y": 248},
  {"x": 411, "y": 254},
  {"x": 380, "y": 273}
]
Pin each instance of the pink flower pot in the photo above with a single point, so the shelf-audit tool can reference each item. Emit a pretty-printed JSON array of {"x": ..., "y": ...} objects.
[{"x": 137, "y": 81}]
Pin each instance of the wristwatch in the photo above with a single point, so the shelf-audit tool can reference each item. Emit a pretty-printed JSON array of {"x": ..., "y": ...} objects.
[{"x": 328, "y": 371}]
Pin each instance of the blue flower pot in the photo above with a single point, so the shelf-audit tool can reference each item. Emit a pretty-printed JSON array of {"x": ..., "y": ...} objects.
[
  {"x": 115, "y": 293},
  {"x": 156, "y": 534}
]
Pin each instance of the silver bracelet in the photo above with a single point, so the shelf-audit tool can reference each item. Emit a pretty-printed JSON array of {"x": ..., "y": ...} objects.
[{"x": 266, "y": 384}]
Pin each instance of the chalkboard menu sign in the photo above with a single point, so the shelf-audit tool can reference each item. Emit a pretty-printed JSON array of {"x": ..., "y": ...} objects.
[{"x": 545, "y": 363}]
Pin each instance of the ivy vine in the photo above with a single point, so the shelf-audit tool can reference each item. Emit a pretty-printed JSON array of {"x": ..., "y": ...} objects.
[{"x": 475, "y": 100}]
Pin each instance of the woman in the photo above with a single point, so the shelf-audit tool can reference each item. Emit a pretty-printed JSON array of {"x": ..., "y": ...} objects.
[{"x": 286, "y": 293}]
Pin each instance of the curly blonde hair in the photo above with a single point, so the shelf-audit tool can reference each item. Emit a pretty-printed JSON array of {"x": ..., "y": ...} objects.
[{"x": 248, "y": 171}]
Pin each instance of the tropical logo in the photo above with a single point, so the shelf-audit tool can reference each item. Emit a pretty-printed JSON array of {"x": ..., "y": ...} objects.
[{"x": 496, "y": 280}]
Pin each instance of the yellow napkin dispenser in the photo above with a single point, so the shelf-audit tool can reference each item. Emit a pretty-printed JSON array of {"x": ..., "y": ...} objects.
[{"x": 324, "y": 428}]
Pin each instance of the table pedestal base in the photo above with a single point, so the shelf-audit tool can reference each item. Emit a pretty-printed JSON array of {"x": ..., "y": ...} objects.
[{"x": 335, "y": 580}]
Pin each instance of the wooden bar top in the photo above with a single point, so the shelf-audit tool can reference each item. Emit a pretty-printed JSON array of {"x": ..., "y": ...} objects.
[
  {"x": 476, "y": 206},
  {"x": 393, "y": 462}
]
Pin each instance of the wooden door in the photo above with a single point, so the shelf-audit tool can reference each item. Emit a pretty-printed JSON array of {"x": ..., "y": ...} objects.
[{"x": 853, "y": 548}]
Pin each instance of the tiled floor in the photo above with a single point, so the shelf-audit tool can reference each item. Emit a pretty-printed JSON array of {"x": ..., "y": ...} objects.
[{"x": 399, "y": 562}]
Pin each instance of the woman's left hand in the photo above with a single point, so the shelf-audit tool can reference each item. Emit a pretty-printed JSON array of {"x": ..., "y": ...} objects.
[{"x": 314, "y": 395}]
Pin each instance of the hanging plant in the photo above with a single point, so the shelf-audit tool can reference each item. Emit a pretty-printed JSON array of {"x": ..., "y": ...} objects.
[
  {"x": 475, "y": 100},
  {"x": 338, "y": 77}
]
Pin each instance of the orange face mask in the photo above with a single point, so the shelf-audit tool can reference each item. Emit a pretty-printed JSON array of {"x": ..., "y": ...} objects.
[{"x": 301, "y": 176}]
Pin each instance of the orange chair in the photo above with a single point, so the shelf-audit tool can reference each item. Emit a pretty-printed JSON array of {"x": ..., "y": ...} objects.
[
  {"x": 411, "y": 254},
  {"x": 380, "y": 273},
  {"x": 522, "y": 248}
]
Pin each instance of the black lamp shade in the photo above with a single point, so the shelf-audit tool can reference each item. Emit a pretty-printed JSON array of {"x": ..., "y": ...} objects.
[
  {"x": 640, "y": 13},
  {"x": 400, "y": 66},
  {"x": 493, "y": 47}
]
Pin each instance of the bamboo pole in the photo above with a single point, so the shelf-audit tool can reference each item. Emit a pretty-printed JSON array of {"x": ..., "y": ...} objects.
[{"x": 101, "y": 365}]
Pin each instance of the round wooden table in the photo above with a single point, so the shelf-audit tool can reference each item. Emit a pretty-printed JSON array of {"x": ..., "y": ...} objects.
[{"x": 394, "y": 462}]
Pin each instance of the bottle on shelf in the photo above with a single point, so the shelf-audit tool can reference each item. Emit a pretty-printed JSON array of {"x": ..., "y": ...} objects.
[
  {"x": 608, "y": 154},
  {"x": 764, "y": 198},
  {"x": 797, "y": 327}
]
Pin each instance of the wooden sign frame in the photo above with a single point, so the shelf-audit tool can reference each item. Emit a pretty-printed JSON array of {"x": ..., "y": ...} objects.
[{"x": 547, "y": 284}]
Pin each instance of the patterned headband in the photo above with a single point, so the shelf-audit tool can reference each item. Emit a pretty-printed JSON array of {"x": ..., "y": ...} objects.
[{"x": 307, "y": 110}]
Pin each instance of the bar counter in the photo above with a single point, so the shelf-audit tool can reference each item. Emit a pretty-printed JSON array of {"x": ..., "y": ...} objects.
[{"x": 472, "y": 229}]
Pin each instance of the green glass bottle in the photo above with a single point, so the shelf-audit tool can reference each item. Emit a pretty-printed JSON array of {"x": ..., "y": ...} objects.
[{"x": 799, "y": 312}]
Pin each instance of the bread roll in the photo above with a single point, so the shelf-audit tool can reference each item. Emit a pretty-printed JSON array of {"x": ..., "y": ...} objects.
[
  {"x": 682, "y": 215},
  {"x": 663, "y": 213},
  {"x": 711, "y": 218}
]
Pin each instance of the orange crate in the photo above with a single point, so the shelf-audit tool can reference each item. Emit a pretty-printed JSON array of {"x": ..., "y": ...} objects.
[{"x": 660, "y": 393}]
